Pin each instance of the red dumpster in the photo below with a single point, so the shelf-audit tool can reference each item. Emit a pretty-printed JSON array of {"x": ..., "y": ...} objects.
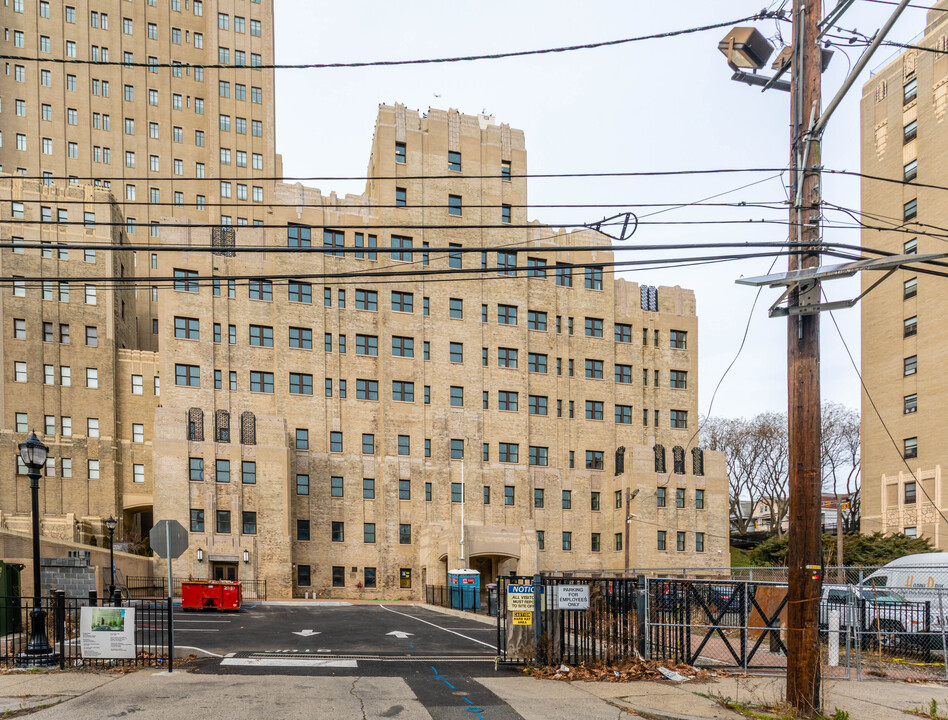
[{"x": 210, "y": 595}]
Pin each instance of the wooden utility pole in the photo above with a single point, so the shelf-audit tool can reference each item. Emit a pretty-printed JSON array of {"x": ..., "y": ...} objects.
[{"x": 803, "y": 370}]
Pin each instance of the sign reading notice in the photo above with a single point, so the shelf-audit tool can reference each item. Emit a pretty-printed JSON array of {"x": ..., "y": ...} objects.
[
  {"x": 522, "y": 618},
  {"x": 572, "y": 597},
  {"x": 107, "y": 632},
  {"x": 520, "y": 598}
]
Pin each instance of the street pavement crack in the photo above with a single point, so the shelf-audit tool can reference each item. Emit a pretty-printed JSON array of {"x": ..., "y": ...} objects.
[{"x": 358, "y": 697}]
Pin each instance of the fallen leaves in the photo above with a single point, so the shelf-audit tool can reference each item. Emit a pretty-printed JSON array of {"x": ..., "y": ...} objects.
[{"x": 621, "y": 672}]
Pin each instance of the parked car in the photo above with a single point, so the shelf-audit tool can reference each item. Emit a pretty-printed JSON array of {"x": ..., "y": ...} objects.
[{"x": 876, "y": 613}]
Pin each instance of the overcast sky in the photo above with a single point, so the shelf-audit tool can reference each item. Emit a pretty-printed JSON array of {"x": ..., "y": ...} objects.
[{"x": 653, "y": 105}]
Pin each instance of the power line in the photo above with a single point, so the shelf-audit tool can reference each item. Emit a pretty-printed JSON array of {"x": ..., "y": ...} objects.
[
  {"x": 453, "y": 176},
  {"x": 394, "y": 63},
  {"x": 895, "y": 2}
]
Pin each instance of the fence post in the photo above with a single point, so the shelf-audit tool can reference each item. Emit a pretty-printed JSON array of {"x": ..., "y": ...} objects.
[
  {"x": 537, "y": 623},
  {"x": 944, "y": 642},
  {"x": 170, "y": 633},
  {"x": 641, "y": 615},
  {"x": 60, "y": 615}
]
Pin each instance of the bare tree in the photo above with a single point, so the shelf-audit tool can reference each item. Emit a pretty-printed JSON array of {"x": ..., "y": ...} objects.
[
  {"x": 841, "y": 460},
  {"x": 735, "y": 439},
  {"x": 770, "y": 429}
]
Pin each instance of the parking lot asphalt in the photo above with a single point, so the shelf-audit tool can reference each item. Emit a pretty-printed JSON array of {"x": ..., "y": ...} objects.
[{"x": 371, "y": 631}]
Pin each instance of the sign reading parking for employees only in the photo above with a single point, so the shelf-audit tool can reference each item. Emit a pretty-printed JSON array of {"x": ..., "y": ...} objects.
[
  {"x": 572, "y": 597},
  {"x": 520, "y": 598}
]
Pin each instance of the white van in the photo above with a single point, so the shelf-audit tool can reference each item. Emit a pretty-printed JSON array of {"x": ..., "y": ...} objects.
[{"x": 917, "y": 578}]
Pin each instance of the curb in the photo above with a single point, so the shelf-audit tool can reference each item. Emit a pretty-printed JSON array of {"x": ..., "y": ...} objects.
[{"x": 484, "y": 619}]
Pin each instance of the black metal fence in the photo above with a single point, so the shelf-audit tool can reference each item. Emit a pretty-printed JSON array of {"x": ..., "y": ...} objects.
[
  {"x": 461, "y": 597},
  {"x": 63, "y": 624},
  {"x": 610, "y": 629},
  {"x": 141, "y": 587}
]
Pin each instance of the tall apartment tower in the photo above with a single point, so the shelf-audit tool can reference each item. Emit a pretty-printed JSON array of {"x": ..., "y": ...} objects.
[
  {"x": 176, "y": 139},
  {"x": 904, "y": 325}
]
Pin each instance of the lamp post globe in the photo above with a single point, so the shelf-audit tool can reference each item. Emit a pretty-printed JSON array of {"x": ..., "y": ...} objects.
[
  {"x": 38, "y": 651},
  {"x": 110, "y": 525}
]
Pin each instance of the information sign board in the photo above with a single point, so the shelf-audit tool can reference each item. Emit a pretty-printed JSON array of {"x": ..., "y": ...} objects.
[
  {"x": 107, "y": 632},
  {"x": 572, "y": 597},
  {"x": 522, "y": 618}
]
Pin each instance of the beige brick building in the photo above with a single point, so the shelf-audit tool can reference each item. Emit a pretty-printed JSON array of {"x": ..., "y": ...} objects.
[
  {"x": 307, "y": 411},
  {"x": 153, "y": 135},
  {"x": 905, "y": 330}
]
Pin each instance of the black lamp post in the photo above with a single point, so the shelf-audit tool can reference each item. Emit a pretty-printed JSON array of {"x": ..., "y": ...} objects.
[
  {"x": 38, "y": 652},
  {"x": 110, "y": 524}
]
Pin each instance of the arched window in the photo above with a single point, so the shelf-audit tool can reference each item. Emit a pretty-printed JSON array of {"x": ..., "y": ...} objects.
[
  {"x": 222, "y": 426},
  {"x": 620, "y": 460},
  {"x": 248, "y": 428},
  {"x": 678, "y": 458},
  {"x": 195, "y": 424},
  {"x": 697, "y": 461},
  {"x": 659, "y": 458}
]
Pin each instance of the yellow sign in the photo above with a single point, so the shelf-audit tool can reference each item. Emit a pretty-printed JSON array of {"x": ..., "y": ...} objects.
[
  {"x": 522, "y": 618},
  {"x": 520, "y": 597}
]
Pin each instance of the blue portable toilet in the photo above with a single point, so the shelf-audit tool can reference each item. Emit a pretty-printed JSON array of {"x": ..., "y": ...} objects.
[{"x": 464, "y": 588}]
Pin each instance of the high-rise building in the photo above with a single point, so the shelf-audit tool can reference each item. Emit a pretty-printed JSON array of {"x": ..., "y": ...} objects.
[
  {"x": 904, "y": 327},
  {"x": 136, "y": 109}
]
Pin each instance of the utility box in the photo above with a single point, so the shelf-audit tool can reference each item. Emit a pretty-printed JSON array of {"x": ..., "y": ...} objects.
[
  {"x": 464, "y": 589},
  {"x": 10, "y": 598},
  {"x": 210, "y": 595}
]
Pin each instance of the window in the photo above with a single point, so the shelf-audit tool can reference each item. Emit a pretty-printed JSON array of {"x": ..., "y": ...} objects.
[
  {"x": 910, "y": 91},
  {"x": 261, "y": 381},
  {"x": 594, "y": 369},
  {"x": 367, "y": 345},
  {"x": 509, "y": 453},
  {"x": 403, "y": 346},
  {"x": 678, "y": 379},
  {"x": 223, "y": 521},
  {"x": 910, "y": 288},
  {"x": 567, "y": 541},
  {"x": 367, "y": 389},
  {"x": 403, "y": 391},
  {"x": 261, "y": 290},
  {"x": 679, "y": 418},
  {"x": 303, "y": 575},
  {"x": 594, "y": 460},
  {"x": 910, "y": 209},
  {"x": 249, "y": 522},
  {"x": 662, "y": 539},
  {"x": 536, "y": 267},
  {"x": 454, "y": 161},
  {"x": 508, "y": 494},
  {"x": 594, "y": 410},
  {"x": 336, "y": 488},
  {"x": 910, "y": 403},
  {"x": 911, "y": 170},
  {"x": 505, "y": 213},
  {"x": 910, "y": 326},
  {"x": 680, "y": 541},
  {"x": 457, "y": 396},
  {"x": 301, "y": 384},
  {"x": 404, "y": 445},
  {"x": 911, "y": 448},
  {"x": 507, "y": 314},
  {"x": 302, "y": 530},
  {"x": 457, "y": 449},
  {"x": 402, "y": 302},
  {"x": 368, "y": 488},
  {"x": 538, "y": 404},
  {"x": 594, "y": 278},
  {"x": 536, "y": 362},
  {"x": 222, "y": 471},
  {"x": 699, "y": 499},
  {"x": 400, "y": 153},
  {"x": 507, "y": 263},
  {"x": 660, "y": 497},
  {"x": 536, "y": 320},
  {"x": 699, "y": 542},
  {"x": 187, "y": 375},
  {"x": 507, "y": 400},
  {"x": 541, "y": 540},
  {"x": 197, "y": 520},
  {"x": 910, "y": 365},
  {"x": 367, "y": 300},
  {"x": 678, "y": 339},
  {"x": 593, "y": 327},
  {"x": 538, "y": 498},
  {"x": 456, "y": 308},
  {"x": 401, "y": 250},
  {"x": 910, "y": 132},
  {"x": 302, "y": 484}
]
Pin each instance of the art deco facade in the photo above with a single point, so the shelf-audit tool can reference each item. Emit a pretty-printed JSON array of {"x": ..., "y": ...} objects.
[
  {"x": 306, "y": 412},
  {"x": 139, "y": 113},
  {"x": 905, "y": 332},
  {"x": 311, "y": 407}
]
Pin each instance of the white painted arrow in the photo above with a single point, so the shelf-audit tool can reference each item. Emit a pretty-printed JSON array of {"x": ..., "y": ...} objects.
[
  {"x": 399, "y": 634},
  {"x": 305, "y": 633}
]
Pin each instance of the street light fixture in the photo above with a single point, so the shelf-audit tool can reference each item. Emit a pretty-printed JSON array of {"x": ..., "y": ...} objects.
[
  {"x": 110, "y": 524},
  {"x": 38, "y": 651}
]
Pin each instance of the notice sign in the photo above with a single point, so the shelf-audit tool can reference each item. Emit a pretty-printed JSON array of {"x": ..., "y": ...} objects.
[
  {"x": 522, "y": 618},
  {"x": 520, "y": 598},
  {"x": 572, "y": 597},
  {"x": 107, "y": 632}
]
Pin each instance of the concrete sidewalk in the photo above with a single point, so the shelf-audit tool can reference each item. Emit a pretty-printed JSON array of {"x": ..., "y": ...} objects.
[{"x": 85, "y": 694}]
